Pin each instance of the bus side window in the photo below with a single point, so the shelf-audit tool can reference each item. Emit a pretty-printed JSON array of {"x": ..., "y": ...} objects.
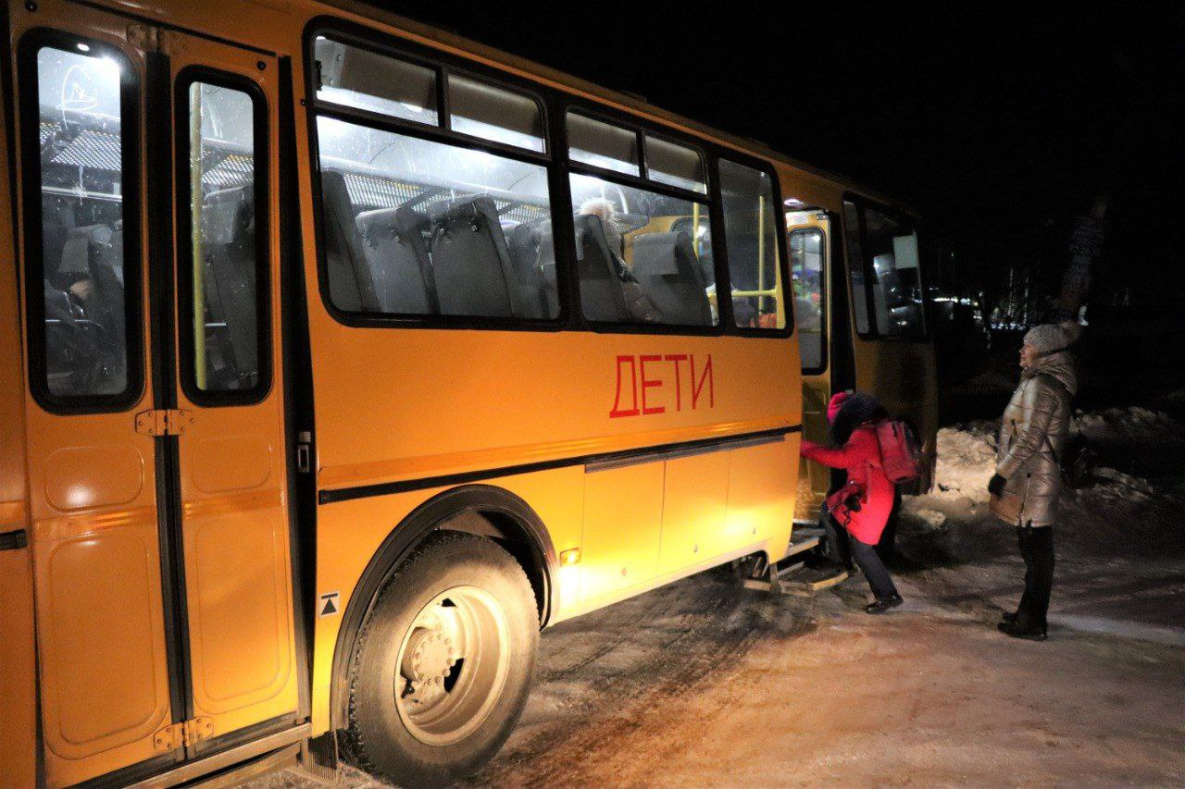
[
  {"x": 750, "y": 236},
  {"x": 806, "y": 266},
  {"x": 225, "y": 273},
  {"x": 856, "y": 267},
  {"x": 80, "y": 268},
  {"x": 895, "y": 271},
  {"x": 641, "y": 257}
]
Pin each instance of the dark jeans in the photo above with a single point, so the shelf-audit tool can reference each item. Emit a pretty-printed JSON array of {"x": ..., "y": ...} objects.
[
  {"x": 873, "y": 568},
  {"x": 1036, "y": 546}
]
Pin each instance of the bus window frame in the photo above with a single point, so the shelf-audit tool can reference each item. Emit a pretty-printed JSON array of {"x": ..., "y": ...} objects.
[
  {"x": 32, "y": 273},
  {"x": 643, "y": 183},
  {"x": 263, "y": 275},
  {"x": 555, "y": 104},
  {"x": 391, "y": 46},
  {"x": 873, "y": 334},
  {"x": 824, "y": 296},
  {"x": 736, "y": 157},
  {"x": 447, "y": 118}
]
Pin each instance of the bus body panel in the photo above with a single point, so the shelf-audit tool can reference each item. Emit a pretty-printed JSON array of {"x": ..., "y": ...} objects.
[
  {"x": 392, "y": 405},
  {"x": 18, "y": 656}
]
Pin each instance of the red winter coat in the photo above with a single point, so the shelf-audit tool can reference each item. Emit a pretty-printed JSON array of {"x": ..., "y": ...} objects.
[{"x": 861, "y": 457}]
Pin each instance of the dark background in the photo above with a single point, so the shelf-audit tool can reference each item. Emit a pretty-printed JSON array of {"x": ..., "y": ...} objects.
[{"x": 1000, "y": 122}]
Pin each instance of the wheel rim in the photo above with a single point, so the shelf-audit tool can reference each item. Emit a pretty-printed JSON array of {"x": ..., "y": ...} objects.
[{"x": 452, "y": 665}]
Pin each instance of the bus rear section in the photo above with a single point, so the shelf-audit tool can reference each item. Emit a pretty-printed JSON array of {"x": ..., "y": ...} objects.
[
  {"x": 344, "y": 365},
  {"x": 860, "y": 304}
]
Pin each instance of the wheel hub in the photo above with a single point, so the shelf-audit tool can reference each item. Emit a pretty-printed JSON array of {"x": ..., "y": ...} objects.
[
  {"x": 429, "y": 656},
  {"x": 452, "y": 665}
]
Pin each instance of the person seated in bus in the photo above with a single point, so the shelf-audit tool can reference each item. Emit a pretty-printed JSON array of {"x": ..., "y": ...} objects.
[
  {"x": 636, "y": 301},
  {"x": 863, "y": 504}
]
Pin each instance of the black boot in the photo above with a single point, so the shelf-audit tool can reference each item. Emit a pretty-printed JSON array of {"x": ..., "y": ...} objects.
[
  {"x": 1029, "y": 634},
  {"x": 881, "y": 605},
  {"x": 1008, "y": 618}
]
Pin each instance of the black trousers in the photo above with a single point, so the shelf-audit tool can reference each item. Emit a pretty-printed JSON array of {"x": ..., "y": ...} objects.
[
  {"x": 873, "y": 568},
  {"x": 1036, "y": 546}
]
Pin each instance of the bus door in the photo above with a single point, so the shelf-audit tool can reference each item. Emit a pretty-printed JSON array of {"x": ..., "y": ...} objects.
[
  {"x": 233, "y": 481},
  {"x": 821, "y": 341},
  {"x": 155, "y": 426}
]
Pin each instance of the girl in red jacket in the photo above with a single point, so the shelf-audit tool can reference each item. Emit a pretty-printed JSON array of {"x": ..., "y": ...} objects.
[{"x": 868, "y": 493}]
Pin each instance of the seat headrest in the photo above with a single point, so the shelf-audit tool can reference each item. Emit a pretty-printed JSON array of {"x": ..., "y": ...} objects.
[
  {"x": 657, "y": 254},
  {"x": 473, "y": 210},
  {"x": 225, "y": 212}
]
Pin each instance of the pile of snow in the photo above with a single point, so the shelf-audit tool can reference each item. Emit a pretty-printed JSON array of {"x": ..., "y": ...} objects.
[
  {"x": 966, "y": 462},
  {"x": 1131, "y": 426}
]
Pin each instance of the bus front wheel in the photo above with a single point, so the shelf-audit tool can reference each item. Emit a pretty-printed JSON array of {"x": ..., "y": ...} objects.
[{"x": 443, "y": 664}]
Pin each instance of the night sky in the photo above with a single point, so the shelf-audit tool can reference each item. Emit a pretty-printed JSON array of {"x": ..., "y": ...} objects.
[{"x": 999, "y": 121}]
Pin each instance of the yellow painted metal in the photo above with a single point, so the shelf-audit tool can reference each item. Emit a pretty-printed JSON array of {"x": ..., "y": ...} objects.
[
  {"x": 233, "y": 474},
  {"x": 621, "y": 550},
  {"x": 18, "y": 667}
]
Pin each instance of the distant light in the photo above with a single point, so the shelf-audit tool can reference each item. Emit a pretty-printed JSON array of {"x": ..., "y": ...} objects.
[
  {"x": 570, "y": 556},
  {"x": 83, "y": 47}
]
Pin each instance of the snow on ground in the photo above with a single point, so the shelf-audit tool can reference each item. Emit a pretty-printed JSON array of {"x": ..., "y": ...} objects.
[{"x": 703, "y": 683}]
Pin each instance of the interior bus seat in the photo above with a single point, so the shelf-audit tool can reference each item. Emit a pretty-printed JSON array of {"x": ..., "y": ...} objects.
[
  {"x": 228, "y": 232},
  {"x": 351, "y": 285},
  {"x": 470, "y": 260},
  {"x": 525, "y": 243},
  {"x": 112, "y": 254},
  {"x": 601, "y": 296},
  {"x": 394, "y": 243},
  {"x": 666, "y": 268},
  {"x": 545, "y": 264}
]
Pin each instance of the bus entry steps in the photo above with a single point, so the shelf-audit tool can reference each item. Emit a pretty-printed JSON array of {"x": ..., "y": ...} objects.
[{"x": 791, "y": 576}]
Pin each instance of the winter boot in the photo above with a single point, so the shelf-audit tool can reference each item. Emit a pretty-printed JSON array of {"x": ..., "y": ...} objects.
[
  {"x": 881, "y": 605},
  {"x": 1016, "y": 631}
]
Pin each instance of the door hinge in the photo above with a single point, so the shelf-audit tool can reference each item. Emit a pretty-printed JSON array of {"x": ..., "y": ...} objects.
[
  {"x": 153, "y": 39},
  {"x": 185, "y": 734},
  {"x": 163, "y": 422}
]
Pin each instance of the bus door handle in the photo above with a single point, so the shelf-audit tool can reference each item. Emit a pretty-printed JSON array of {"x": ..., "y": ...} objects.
[
  {"x": 13, "y": 540},
  {"x": 304, "y": 452}
]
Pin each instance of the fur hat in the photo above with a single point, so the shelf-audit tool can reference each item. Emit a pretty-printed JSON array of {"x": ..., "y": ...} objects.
[{"x": 1052, "y": 337}]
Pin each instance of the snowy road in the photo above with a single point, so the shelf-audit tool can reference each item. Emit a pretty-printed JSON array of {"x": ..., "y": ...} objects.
[{"x": 704, "y": 683}]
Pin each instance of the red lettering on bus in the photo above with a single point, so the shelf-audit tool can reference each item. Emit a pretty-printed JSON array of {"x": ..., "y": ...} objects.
[
  {"x": 650, "y": 383},
  {"x": 617, "y": 410},
  {"x": 697, "y": 389},
  {"x": 676, "y": 358}
]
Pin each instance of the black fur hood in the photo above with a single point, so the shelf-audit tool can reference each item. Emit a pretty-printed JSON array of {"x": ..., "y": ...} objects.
[{"x": 855, "y": 411}]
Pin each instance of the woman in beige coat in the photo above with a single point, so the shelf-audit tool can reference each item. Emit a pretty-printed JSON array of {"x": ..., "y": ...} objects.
[{"x": 1028, "y": 479}]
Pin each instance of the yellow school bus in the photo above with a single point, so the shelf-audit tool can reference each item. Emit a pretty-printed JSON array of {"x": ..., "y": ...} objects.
[
  {"x": 340, "y": 356},
  {"x": 860, "y": 308}
]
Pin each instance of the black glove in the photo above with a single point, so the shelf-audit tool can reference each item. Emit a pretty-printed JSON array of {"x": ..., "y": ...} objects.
[
  {"x": 852, "y": 502},
  {"x": 996, "y": 485}
]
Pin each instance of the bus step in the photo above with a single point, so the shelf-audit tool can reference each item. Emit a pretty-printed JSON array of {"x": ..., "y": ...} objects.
[
  {"x": 812, "y": 581},
  {"x": 798, "y": 579},
  {"x": 800, "y": 544}
]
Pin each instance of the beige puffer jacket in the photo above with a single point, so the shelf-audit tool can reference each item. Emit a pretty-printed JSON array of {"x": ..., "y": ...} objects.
[{"x": 1032, "y": 436}]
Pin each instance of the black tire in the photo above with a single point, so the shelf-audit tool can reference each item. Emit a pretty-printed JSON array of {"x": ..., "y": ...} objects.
[{"x": 379, "y": 738}]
